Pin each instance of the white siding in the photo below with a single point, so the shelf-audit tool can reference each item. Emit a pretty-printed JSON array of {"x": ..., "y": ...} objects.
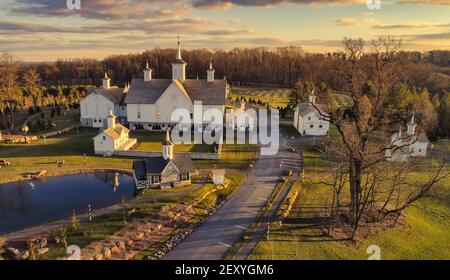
[{"x": 96, "y": 107}]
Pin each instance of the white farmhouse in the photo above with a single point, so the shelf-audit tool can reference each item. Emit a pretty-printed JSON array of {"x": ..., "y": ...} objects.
[
  {"x": 150, "y": 102},
  {"x": 309, "y": 118},
  {"x": 114, "y": 138},
  {"x": 409, "y": 144},
  {"x": 96, "y": 106}
]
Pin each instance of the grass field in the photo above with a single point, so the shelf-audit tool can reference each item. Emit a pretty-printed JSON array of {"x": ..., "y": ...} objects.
[
  {"x": 71, "y": 147},
  {"x": 276, "y": 97},
  {"x": 425, "y": 234},
  {"x": 151, "y": 142},
  {"x": 43, "y": 154}
]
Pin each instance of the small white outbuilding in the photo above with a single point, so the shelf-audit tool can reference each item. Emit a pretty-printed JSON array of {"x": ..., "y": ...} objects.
[
  {"x": 310, "y": 119},
  {"x": 114, "y": 138},
  {"x": 406, "y": 145}
]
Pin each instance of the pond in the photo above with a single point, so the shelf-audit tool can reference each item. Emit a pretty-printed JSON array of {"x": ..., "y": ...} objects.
[{"x": 33, "y": 203}]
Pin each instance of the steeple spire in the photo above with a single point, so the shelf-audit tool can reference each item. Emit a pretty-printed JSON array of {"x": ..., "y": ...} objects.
[
  {"x": 412, "y": 126},
  {"x": 179, "y": 66},
  {"x": 167, "y": 147},
  {"x": 210, "y": 73},
  {"x": 312, "y": 97},
  {"x": 147, "y": 73},
  {"x": 179, "y": 49},
  {"x": 106, "y": 81}
]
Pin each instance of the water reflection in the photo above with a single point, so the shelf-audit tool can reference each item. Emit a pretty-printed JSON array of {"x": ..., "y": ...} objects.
[{"x": 23, "y": 204}]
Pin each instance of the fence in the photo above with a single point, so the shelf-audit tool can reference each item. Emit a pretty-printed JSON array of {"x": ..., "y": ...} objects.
[{"x": 210, "y": 156}]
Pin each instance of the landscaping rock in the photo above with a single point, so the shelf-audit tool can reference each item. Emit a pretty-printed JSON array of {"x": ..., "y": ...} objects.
[
  {"x": 41, "y": 242},
  {"x": 130, "y": 242},
  {"x": 139, "y": 236},
  {"x": 42, "y": 251},
  {"x": 24, "y": 255},
  {"x": 120, "y": 245},
  {"x": 13, "y": 251},
  {"x": 106, "y": 253},
  {"x": 115, "y": 250},
  {"x": 98, "y": 257}
]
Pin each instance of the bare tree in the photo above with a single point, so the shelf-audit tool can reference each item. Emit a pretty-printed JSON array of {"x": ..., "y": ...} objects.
[
  {"x": 9, "y": 88},
  {"x": 364, "y": 127},
  {"x": 32, "y": 83}
]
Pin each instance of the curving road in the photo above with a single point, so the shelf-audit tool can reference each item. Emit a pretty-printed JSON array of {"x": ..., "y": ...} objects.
[{"x": 214, "y": 237}]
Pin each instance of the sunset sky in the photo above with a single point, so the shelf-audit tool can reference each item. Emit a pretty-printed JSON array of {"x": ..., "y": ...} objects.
[{"x": 45, "y": 30}]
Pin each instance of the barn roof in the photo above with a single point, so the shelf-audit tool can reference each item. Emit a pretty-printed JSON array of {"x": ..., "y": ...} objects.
[
  {"x": 306, "y": 108},
  {"x": 114, "y": 94},
  {"x": 156, "y": 165},
  {"x": 209, "y": 93}
]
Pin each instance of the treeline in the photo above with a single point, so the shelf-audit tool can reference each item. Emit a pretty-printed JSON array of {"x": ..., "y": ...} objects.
[{"x": 280, "y": 66}]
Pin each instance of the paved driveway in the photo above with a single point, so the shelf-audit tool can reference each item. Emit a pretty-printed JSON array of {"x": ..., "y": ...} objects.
[{"x": 214, "y": 237}]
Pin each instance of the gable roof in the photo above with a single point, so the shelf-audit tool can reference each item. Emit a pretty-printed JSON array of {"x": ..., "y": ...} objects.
[
  {"x": 113, "y": 94},
  {"x": 156, "y": 165},
  {"x": 116, "y": 132},
  {"x": 423, "y": 138},
  {"x": 142, "y": 92},
  {"x": 111, "y": 133},
  {"x": 306, "y": 108},
  {"x": 212, "y": 93}
]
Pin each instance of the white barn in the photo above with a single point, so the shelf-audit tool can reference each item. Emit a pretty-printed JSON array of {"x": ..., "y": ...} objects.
[
  {"x": 406, "y": 145},
  {"x": 150, "y": 102},
  {"x": 114, "y": 138},
  {"x": 95, "y": 107},
  {"x": 309, "y": 118}
]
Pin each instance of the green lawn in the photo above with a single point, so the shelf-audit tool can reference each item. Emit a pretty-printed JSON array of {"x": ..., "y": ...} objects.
[
  {"x": 442, "y": 145},
  {"x": 43, "y": 154},
  {"x": 151, "y": 142},
  {"x": 425, "y": 235},
  {"x": 276, "y": 97},
  {"x": 70, "y": 147}
]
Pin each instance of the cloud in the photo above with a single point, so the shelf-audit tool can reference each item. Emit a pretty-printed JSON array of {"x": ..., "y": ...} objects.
[
  {"x": 346, "y": 22},
  {"x": 228, "y": 32},
  {"x": 410, "y": 25},
  {"x": 426, "y": 2},
  {"x": 265, "y": 3},
  {"x": 429, "y": 36},
  {"x": 103, "y": 9},
  {"x": 226, "y": 4}
]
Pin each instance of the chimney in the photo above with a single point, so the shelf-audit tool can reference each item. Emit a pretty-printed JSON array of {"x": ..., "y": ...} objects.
[
  {"x": 412, "y": 126},
  {"x": 111, "y": 119},
  {"x": 106, "y": 81},
  {"x": 210, "y": 74},
  {"x": 147, "y": 74},
  {"x": 167, "y": 147},
  {"x": 312, "y": 98}
]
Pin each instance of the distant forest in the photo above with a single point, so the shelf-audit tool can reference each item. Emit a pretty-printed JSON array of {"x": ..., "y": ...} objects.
[{"x": 281, "y": 66}]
